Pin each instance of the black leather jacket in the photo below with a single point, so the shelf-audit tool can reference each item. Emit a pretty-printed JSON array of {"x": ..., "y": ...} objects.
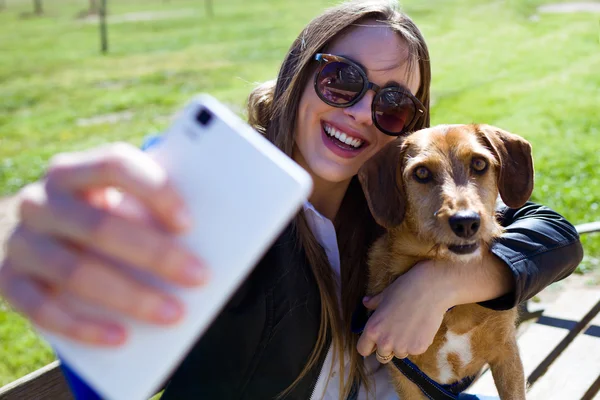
[{"x": 262, "y": 339}]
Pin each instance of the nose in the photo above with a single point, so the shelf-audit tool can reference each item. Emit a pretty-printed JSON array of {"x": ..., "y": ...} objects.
[
  {"x": 361, "y": 111},
  {"x": 465, "y": 223}
]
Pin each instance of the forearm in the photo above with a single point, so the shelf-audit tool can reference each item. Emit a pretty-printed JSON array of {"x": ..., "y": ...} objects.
[{"x": 474, "y": 281}]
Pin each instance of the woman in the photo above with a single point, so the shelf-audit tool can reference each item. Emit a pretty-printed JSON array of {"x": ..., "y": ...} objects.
[{"x": 287, "y": 328}]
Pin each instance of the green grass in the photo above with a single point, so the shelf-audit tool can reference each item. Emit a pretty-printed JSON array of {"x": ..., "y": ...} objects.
[{"x": 491, "y": 63}]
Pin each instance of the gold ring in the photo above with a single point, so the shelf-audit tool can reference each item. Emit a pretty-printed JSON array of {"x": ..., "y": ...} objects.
[{"x": 383, "y": 359}]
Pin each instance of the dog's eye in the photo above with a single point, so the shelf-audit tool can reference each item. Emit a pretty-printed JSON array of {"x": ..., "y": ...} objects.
[
  {"x": 479, "y": 165},
  {"x": 423, "y": 175}
]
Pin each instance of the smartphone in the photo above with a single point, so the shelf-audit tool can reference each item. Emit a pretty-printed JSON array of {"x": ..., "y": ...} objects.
[{"x": 242, "y": 192}]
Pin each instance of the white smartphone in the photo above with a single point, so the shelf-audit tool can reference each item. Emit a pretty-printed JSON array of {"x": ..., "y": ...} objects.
[{"x": 242, "y": 192}]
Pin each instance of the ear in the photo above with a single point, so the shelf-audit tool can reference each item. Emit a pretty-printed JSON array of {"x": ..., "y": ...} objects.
[
  {"x": 380, "y": 178},
  {"x": 516, "y": 175}
]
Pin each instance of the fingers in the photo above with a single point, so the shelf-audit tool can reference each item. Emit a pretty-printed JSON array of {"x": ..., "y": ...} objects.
[
  {"x": 367, "y": 342},
  {"x": 53, "y": 261},
  {"x": 380, "y": 337},
  {"x": 123, "y": 166},
  {"x": 371, "y": 302},
  {"x": 35, "y": 300},
  {"x": 88, "y": 278},
  {"x": 130, "y": 241}
]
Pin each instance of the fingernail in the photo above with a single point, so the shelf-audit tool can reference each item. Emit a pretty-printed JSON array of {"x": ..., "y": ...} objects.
[
  {"x": 113, "y": 335},
  {"x": 194, "y": 273},
  {"x": 366, "y": 299},
  {"x": 169, "y": 311}
]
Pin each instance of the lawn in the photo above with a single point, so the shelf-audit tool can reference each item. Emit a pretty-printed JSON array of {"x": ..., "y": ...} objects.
[{"x": 493, "y": 61}]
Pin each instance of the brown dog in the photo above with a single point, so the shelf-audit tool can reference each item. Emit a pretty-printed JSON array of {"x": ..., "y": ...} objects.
[{"x": 435, "y": 192}]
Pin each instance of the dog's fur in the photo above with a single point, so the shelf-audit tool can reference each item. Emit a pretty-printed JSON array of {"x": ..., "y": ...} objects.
[{"x": 417, "y": 217}]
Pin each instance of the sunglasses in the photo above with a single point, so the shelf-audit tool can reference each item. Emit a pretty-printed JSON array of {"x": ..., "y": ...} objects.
[{"x": 340, "y": 82}]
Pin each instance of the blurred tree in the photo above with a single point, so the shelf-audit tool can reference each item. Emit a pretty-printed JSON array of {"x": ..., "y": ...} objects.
[
  {"x": 2, "y": 4},
  {"x": 209, "y": 7},
  {"x": 37, "y": 5},
  {"x": 92, "y": 9},
  {"x": 103, "y": 31}
]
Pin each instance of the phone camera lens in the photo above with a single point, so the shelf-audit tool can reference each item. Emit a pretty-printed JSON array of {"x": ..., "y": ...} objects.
[{"x": 204, "y": 117}]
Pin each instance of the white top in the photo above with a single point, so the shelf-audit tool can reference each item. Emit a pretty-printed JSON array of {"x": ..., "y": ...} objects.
[{"x": 328, "y": 389}]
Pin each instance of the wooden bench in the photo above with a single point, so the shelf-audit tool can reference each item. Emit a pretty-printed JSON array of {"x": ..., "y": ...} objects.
[
  {"x": 45, "y": 383},
  {"x": 560, "y": 348}
]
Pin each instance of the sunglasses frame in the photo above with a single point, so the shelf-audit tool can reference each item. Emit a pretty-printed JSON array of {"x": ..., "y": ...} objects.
[{"x": 420, "y": 110}]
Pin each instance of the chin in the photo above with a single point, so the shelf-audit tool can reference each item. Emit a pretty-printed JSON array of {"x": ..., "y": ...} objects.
[
  {"x": 330, "y": 171},
  {"x": 463, "y": 252}
]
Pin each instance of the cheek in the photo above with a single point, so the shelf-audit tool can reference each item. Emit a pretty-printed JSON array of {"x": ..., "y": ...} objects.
[
  {"x": 310, "y": 110},
  {"x": 304, "y": 120},
  {"x": 488, "y": 191}
]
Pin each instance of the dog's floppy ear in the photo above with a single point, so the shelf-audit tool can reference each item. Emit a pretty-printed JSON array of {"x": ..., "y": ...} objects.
[
  {"x": 381, "y": 182},
  {"x": 516, "y": 175}
]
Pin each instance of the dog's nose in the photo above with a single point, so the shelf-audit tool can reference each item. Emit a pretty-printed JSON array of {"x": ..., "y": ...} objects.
[{"x": 464, "y": 223}]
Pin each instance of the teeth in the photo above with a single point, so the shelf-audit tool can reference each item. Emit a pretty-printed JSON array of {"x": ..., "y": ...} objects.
[{"x": 342, "y": 137}]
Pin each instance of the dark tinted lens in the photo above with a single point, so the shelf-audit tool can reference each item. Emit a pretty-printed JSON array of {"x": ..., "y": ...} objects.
[
  {"x": 339, "y": 82},
  {"x": 394, "y": 110}
]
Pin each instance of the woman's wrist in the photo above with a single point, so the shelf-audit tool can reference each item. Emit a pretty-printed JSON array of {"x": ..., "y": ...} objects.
[
  {"x": 436, "y": 279},
  {"x": 475, "y": 281}
]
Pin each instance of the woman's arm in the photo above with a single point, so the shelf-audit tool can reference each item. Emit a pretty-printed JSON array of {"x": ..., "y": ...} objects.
[{"x": 538, "y": 247}]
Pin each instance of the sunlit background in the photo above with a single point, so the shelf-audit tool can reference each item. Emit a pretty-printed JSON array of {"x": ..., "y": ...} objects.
[{"x": 505, "y": 63}]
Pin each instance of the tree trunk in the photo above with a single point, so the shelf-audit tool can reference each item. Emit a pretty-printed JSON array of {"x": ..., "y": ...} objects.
[
  {"x": 103, "y": 31},
  {"x": 209, "y": 7},
  {"x": 37, "y": 4},
  {"x": 93, "y": 7}
]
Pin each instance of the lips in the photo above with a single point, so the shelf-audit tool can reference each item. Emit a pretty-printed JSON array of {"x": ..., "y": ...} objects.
[
  {"x": 352, "y": 145},
  {"x": 463, "y": 248},
  {"x": 342, "y": 137}
]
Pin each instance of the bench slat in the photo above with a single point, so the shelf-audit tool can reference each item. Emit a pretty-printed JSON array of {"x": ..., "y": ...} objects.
[
  {"x": 45, "y": 383},
  {"x": 590, "y": 227},
  {"x": 573, "y": 372},
  {"x": 593, "y": 392},
  {"x": 581, "y": 325}
]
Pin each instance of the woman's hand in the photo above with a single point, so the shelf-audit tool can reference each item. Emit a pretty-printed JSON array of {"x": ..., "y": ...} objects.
[
  {"x": 70, "y": 240},
  {"x": 408, "y": 313}
]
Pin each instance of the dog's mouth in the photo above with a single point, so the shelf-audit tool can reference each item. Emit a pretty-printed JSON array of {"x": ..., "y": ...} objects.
[{"x": 463, "y": 248}]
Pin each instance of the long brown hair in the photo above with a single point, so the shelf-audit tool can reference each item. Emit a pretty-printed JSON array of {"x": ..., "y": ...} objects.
[{"x": 272, "y": 110}]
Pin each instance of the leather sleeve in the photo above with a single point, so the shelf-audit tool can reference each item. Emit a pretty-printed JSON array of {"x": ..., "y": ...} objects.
[{"x": 539, "y": 246}]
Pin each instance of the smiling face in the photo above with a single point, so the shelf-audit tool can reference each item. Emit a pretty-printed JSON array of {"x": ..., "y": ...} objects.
[{"x": 333, "y": 143}]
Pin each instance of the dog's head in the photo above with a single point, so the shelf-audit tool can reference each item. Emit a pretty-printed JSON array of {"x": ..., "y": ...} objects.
[{"x": 443, "y": 183}]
